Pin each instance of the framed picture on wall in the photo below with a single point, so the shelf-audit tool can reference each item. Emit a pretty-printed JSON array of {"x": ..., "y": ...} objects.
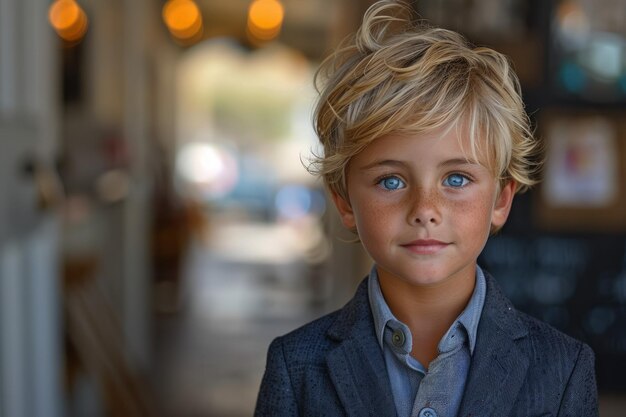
[{"x": 584, "y": 178}]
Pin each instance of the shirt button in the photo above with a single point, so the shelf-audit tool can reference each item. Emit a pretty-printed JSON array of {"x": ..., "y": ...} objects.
[
  {"x": 398, "y": 338},
  {"x": 427, "y": 412}
]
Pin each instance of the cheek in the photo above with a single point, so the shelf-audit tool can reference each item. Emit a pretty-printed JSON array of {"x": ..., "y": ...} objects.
[
  {"x": 375, "y": 221},
  {"x": 371, "y": 217},
  {"x": 474, "y": 214}
]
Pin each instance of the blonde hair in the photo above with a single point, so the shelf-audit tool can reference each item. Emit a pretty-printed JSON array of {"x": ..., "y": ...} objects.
[{"x": 396, "y": 75}]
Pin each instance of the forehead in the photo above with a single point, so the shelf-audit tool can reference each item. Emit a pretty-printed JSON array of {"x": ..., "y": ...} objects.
[{"x": 436, "y": 145}]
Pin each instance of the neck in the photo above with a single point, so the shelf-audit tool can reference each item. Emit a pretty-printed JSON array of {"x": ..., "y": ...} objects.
[{"x": 428, "y": 310}]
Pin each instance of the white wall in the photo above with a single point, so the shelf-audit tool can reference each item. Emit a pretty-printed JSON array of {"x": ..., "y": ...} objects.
[{"x": 30, "y": 319}]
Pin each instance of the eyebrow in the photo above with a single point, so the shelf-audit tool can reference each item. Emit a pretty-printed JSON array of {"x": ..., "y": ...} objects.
[
  {"x": 458, "y": 161},
  {"x": 397, "y": 163},
  {"x": 385, "y": 162}
]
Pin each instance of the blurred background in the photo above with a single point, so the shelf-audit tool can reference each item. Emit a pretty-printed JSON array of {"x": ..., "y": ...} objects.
[{"x": 158, "y": 229}]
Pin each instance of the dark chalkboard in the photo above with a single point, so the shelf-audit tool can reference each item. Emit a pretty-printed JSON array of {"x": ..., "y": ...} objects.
[{"x": 577, "y": 283}]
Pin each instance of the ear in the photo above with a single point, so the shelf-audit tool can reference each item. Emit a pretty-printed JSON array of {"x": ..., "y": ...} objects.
[
  {"x": 503, "y": 205},
  {"x": 345, "y": 210}
]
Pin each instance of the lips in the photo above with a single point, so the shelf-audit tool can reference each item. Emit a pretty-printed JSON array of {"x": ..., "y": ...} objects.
[{"x": 425, "y": 246}]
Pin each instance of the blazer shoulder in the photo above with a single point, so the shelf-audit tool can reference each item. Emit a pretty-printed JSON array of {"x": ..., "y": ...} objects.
[
  {"x": 551, "y": 345},
  {"x": 563, "y": 364},
  {"x": 544, "y": 339},
  {"x": 541, "y": 330},
  {"x": 310, "y": 342},
  {"x": 307, "y": 343}
]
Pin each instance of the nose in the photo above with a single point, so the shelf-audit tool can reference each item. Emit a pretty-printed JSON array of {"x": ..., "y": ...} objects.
[{"x": 424, "y": 208}]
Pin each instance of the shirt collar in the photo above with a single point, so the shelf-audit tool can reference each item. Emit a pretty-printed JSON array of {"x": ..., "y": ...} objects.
[
  {"x": 469, "y": 317},
  {"x": 380, "y": 310}
]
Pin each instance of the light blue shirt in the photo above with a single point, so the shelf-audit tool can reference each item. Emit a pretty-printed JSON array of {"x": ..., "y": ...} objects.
[{"x": 418, "y": 392}]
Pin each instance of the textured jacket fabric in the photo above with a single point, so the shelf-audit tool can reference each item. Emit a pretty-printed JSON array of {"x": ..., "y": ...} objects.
[{"x": 520, "y": 367}]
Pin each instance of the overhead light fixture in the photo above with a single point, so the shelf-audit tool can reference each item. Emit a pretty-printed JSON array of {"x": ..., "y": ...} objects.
[
  {"x": 68, "y": 19},
  {"x": 265, "y": 19},
  {"x": 183, "y": 20}
]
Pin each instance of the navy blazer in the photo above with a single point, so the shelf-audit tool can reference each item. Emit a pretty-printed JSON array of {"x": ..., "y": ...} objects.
[{"x": 334, "y": 366}]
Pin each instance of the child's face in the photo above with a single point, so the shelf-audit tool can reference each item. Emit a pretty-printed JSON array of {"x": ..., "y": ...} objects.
[{"x": 422, "y": 212}]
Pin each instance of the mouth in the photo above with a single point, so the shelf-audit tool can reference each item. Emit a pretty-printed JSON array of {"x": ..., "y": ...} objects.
[{"x": 425, "y": 246}]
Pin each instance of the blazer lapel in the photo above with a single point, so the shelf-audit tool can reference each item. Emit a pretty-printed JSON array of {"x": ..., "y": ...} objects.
[
  {"x": 498, "y": 368},
  {"x": 356, "y": 366}
]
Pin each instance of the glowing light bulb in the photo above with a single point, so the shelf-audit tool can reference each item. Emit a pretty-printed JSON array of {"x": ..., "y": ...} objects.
[
  {"x": 183, "y": 19},
  {"x": 68, "y": 19},
  {"x": 265, "y": 18}
]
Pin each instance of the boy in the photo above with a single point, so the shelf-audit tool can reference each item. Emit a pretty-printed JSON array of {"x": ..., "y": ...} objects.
[{"x": 426, "y": 142}]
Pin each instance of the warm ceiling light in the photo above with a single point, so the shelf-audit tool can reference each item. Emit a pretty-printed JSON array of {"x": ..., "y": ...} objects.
[
  {"x": 266, "y": 14},
  {"x": 63, "y": 14},
  {"x": 77, "y": 31},
  {"x": 183, "y": 18},
  {"x": 68, "y": 19},
  {"x": 265, "y": 18}
]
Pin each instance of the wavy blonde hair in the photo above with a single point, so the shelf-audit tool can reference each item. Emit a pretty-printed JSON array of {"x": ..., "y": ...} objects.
[{"x": 399, "y": 76}]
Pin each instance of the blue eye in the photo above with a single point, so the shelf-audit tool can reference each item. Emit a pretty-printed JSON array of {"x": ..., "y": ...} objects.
[
  {"x": 456, "y": 180},
  {"x": 391, "y": 183}
]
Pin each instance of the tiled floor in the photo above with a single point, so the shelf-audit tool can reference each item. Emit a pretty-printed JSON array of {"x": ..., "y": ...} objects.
[{"x": 211, "y": 355}]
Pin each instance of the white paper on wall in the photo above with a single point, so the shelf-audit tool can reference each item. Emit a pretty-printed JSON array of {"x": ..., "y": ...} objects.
[{"x": 581, "y": 163}]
